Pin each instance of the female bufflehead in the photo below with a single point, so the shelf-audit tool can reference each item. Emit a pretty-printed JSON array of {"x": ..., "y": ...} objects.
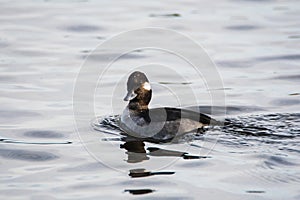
[{"x": 158, "y": 123}]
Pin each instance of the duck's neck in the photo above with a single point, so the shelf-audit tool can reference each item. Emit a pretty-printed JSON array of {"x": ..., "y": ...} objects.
[
  {"x": 137, "y": 106},
  {"x": 140, "y": 102},
  {"x": 140, "y": 110}
]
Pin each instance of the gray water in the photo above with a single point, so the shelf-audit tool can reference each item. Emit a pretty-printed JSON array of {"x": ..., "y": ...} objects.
[{"x": 255, "y": 45}]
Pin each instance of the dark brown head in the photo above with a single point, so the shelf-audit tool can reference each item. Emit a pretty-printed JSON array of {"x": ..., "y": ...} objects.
[{"x": 138, "y": 90}]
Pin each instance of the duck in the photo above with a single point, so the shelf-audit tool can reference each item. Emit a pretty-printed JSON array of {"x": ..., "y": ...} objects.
[{"x": 158, "y": 124}]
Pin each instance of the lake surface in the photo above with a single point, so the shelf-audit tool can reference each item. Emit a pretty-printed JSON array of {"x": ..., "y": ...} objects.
[{"x": 46, "y": 154}]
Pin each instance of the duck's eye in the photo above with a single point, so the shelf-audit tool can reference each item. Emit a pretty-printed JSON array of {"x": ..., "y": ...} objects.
[{"x": 147, "y": 86}]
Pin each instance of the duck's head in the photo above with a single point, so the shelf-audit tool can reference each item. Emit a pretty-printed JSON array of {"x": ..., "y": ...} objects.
[{"x": 138, "y": 88}]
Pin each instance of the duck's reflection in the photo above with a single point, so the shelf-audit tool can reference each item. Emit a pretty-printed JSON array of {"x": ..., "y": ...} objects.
[
  {"x": 139, "y": 191},
  {"x": 137, "y": 173},
  {"x": 136, "y": 152},
  {"x": 142, "y": 149}
]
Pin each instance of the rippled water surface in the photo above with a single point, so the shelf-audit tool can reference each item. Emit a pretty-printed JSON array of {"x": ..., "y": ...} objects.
[{"x": 255, "y": 45}]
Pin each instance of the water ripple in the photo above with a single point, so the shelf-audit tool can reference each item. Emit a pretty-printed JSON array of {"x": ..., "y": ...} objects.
[
  {"x": 242, "y": 27},
  {"x": 271, "y": 127},
  {"x": 275, "y": 126},
  {"x": 82, "y": 28},
  {"x": 27, "y": 155},
  {"x": 43, "y": 134},
  {"x": 12, "y": 141}
]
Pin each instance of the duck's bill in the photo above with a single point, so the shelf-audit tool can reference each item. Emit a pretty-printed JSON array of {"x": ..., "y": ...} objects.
[{"x": 130, "y": 95}]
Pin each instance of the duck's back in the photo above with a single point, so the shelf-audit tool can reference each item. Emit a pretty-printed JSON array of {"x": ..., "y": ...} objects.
[
  {"x": 173, "y": 114},
  {"x": 164, "y": 123}
]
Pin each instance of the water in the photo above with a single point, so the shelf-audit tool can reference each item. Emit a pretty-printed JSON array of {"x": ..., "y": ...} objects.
[{"x": 255, "y": 45}]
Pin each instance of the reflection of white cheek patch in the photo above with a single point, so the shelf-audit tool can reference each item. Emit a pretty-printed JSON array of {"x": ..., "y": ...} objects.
[{"x": 147, "y": 86}]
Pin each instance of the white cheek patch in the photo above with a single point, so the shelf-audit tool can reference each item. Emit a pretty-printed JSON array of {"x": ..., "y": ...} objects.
[{"x": 147, "y": 86}]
